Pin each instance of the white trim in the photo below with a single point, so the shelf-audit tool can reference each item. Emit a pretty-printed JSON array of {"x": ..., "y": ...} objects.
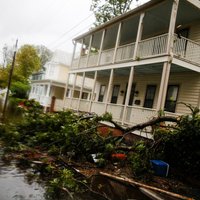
[
  {"x": 186, "y": 64},
  {"x": 195, "y": 3},
  {"x": 157, "y": 59}
]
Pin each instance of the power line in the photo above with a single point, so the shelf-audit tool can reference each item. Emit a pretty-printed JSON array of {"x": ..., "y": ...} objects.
[
  {"x": 69, "y": 30},
  {"x": 70, "y": 38}
]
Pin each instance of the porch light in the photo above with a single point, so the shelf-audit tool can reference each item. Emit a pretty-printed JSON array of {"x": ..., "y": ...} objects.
[
  {"x": 122, "y": 92},
  {"x": 136, "y": 93}
]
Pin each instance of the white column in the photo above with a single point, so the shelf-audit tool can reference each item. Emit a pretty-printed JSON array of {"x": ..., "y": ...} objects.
[
  {"x": 81, "y": 91},
  {"x": 48, "y": 90},
  {"x": 163, "y": 86},
  {"x": 93, "y": 90},
  {"x": 170, "y": 42},
  {"x": 80, "y": 54},
  {"x": 73, "y": 54},
  {"x": 139, "y": 35},
  {"x": 65, "y": 91},
  {"x": 101, "y": 47},
  {"x": 109, "y": 89},
  {"x": 73, "y": 88},
  {"x": 130, "y": 82},
  {"x": 88, "y": 56},
  {"x": 117, "y": 42}
]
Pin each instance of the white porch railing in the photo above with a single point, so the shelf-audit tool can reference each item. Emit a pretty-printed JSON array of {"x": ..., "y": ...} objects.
[
  {"x": 116, "y": 110},
  {"x": 84, "y": 105},
  {"x": 98, "y": 107},
  {"x": 43, "y": 100},
  {"x": 187, "y": 49},
  {"x": 83, "y": 61},
  {"x": 74, "y": 103},
  {"x": 93, "y": 59},
  {"x": 136, "y": 115},
  {"x": 125, "y": 52},
  {"x": 58, "y": 105},
  {"x": 107, "y": 56},
  {"x": 152, "y": 46},
  {"x": 67, "y": 102},
  {"x": 75, "y": 63}
]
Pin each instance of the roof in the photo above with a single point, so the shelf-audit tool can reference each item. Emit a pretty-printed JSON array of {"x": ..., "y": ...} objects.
[{"x": 132, "y": 12}]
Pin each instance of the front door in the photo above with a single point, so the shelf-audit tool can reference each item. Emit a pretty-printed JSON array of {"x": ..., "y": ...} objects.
[
  {"x": 171, "y": 98},
  {"x": 115, "y": 93},
  {"x": 150, "y": 95}
]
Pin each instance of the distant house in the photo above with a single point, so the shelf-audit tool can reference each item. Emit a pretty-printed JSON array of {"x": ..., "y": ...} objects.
[
  {"x": 48, "y": 85},
  {"x": 141, "y": 62}
]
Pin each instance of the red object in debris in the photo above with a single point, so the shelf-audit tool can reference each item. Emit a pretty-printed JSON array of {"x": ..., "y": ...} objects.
[{"x": 119, "y": 156}]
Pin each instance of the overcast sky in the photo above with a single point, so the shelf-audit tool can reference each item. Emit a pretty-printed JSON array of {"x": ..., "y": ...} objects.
[{"x": 53, "y": 23}]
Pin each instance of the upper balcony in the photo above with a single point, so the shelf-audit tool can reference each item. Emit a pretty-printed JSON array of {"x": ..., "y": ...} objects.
[{"x": 127, "y": 38}]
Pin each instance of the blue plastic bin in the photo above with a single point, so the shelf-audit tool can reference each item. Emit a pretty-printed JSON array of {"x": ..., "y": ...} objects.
[{"x": 160, "y": 167}]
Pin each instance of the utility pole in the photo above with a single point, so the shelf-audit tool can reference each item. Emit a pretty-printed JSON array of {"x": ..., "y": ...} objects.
[{"x": 9, "y": 81}]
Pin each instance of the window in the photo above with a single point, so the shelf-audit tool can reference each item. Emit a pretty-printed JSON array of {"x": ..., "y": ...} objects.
[
  {"x": 84, "y": 95},
  {"x": 115, "y": 93},
  {"x": 149, "y": 97},
  {"x": 171, "y": 98},
  {"x": 101, "y": 93}
]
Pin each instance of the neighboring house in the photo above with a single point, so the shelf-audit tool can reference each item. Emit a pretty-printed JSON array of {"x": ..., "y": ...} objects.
[
  {"x": 142, "y": 62},
  {"x": 48, "y": 86}
]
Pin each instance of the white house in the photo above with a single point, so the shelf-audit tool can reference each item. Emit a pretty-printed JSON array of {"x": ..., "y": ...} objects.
[
  {"x": 50, "y": 82},
  {"x": 141, "y": 62}
]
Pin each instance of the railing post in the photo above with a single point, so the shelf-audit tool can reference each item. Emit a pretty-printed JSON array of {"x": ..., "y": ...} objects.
[
  {"x": 109, "y": 89},
  {"x": 101, "y": 47},
  {"x": 65, "y": 90},
  {"x": 163, "y": 86},
  {"x": 73, "y": 88},
  {"x": 170, "y": 42},
  {"x": 139, "y": 35},
  {"x": 73, "y": 54},
  {"x": 88, "y": 56},
  {"x": 93, "y": 90},
  {"x": 117, "y": 42},
  {"x": 130, "y": 82},
  {"x": 80, "y": 54},
  {"x": 81, "y": 91}
]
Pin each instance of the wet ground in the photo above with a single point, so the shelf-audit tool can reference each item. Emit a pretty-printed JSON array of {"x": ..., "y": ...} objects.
[
  {"x": 15, "y": 185},
  {"x": 18, "y": 184}
]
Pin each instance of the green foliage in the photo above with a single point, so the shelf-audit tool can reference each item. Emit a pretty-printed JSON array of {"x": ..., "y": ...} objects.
[
  {"x": 140, "y": 158},
  {"x": 27, "y": 61},
  {"x": 180, "y": 147},
  {"x": 59, "y": 133},
  {"x": 66, "y": 180},
  {"x": 20, "y": 90},
  {"x": 104, "y": 10}
]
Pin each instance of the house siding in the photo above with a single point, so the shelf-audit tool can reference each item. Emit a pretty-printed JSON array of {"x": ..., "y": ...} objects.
[
  {"x": 194, "y": 33},
  {"x": 188, "y": 91},
  {"x": 189, "y": 88}
]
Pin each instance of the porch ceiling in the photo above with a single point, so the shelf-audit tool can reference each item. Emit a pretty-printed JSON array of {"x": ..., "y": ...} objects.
[
  {"x": 156, "y": 21},
  {"x": 139, "y": 70}
]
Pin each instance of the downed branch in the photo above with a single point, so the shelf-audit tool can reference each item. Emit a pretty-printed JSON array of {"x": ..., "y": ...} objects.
[
  {"x": 131, "y": 182},
  {"x": 151, "y": 123}
]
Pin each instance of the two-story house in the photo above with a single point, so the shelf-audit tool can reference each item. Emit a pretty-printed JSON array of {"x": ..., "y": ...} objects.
[
  {"x": 48, "y": 85},
  {"x": 142, "y": 62}
]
